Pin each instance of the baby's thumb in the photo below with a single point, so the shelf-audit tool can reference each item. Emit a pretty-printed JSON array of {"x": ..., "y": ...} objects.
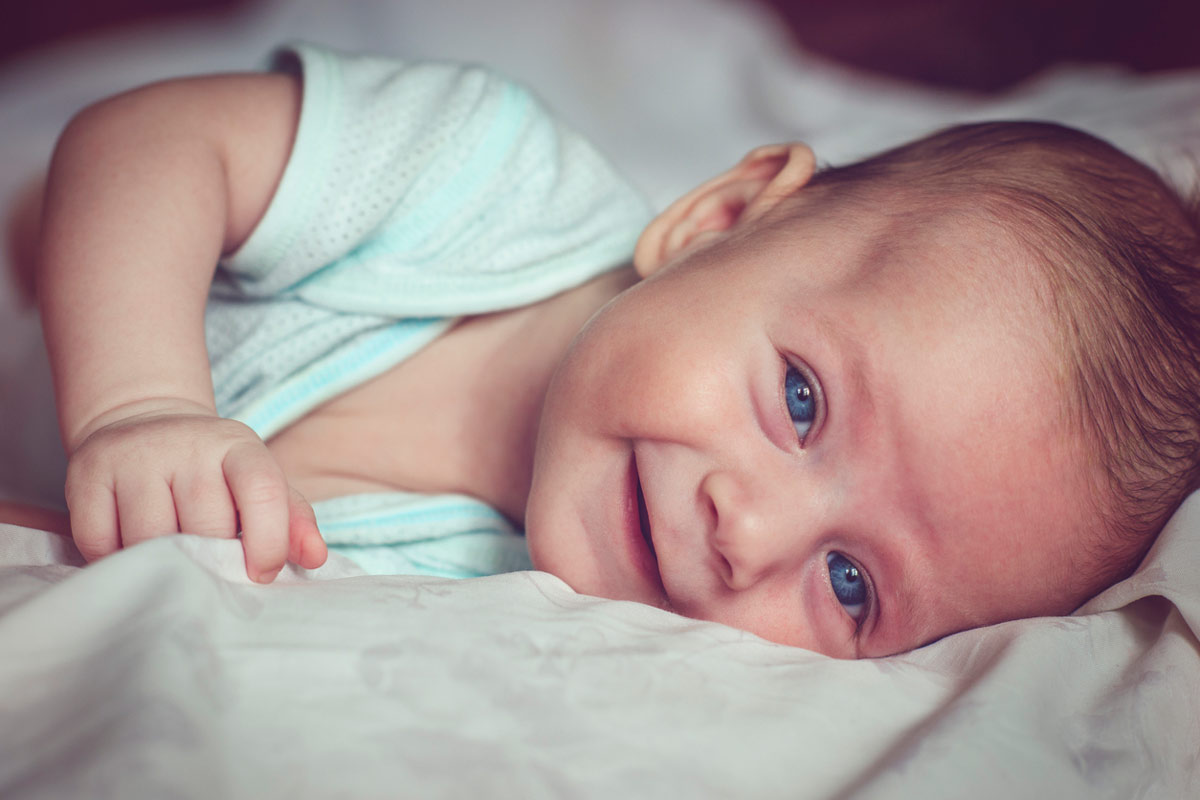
[{"x": 305, "y": 545}]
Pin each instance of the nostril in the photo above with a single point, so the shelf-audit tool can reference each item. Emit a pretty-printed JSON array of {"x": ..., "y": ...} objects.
[
  {"x": 721, "y": 563},
  {"x": 739, "y": 532},
  {"x": 738, "y": 575},
  {"x": 725, "y": 569},
  {"x": 715, "y": 491}
]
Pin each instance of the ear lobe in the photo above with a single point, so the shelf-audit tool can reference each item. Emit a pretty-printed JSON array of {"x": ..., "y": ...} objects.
[{"x": 752, "y": 187}]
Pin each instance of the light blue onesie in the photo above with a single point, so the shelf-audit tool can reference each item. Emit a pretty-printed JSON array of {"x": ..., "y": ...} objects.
[{"x": 415, "y": 193}]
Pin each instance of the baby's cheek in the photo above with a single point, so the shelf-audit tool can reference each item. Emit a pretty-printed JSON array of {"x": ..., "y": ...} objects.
[
  {"x": 541, "y": 546},
  {"x": 547, "y": 533}
]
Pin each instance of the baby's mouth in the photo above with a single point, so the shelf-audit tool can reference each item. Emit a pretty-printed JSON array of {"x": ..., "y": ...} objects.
[{"x": 644, "y": 520}]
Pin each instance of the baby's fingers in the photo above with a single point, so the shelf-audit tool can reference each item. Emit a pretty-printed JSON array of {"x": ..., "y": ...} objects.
[
  {"x": 145, "y": 509},
  {"x": 260, "y": 492},
  {"x": 306, "y": 548},
  {"x": 93, "y": 513},
  {"x": 204, "y": 505}
]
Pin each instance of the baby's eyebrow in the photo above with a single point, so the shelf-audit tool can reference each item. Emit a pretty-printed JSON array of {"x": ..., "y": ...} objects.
[
  {"x": 915, "y": 613},
  {"x": 905, "y": 621},
  {"x": 910, "y": 576},
  {"x": 855, "y": 369},
  {"x": 925, "y": 621}
]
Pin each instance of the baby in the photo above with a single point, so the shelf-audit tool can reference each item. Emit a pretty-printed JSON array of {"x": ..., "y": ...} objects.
[{"x": 852, "y": 409}]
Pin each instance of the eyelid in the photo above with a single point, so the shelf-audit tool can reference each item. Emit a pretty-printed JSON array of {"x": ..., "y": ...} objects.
[
  {"x": 871, "y": 602},
  {"x": 872, "y": 598},
  {"x": 814, "y": 383}
]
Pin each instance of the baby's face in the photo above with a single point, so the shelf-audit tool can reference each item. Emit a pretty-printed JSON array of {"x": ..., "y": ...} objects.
[{"x": 830, "y": 433}]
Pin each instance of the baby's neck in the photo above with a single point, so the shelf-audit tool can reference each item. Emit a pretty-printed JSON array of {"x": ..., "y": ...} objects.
[
  {"x": 499, "y": 386},
  {"x": 460, "y": 416}
]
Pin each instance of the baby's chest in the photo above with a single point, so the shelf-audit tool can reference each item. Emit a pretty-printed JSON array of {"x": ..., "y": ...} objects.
[
  {"x": 392, "y": 432},
  {"x": 416, "y": 427}
]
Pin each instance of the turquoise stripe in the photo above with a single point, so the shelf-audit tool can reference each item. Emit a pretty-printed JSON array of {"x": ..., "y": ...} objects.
[
  {"x": 411, "y": 230},
  {"x": 294, "y": 394},
  {"x": 481, "y": 512}
]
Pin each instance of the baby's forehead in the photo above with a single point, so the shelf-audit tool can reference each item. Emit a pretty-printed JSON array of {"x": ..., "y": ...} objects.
[
  {"x": 1007, "y": 506},
  {"x": 1011, "y": 576},
  {"x": 956, "y": 248}
]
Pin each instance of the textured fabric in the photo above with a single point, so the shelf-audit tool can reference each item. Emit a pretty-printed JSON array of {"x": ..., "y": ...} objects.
[
  {"x": 161, "y": 671},
  {"x": 414, "y": 194},
  {"x": 402, "y": 533}
]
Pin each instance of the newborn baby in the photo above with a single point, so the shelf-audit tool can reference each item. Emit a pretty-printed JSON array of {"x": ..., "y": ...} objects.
[{"x": 850, "y": 409}]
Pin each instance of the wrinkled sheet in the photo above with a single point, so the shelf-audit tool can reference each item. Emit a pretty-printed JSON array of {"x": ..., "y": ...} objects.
[{"x": 162, "y": 672}]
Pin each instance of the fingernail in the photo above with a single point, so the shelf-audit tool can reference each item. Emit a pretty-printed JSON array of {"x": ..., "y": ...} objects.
[{"x": 267, "y": 577}]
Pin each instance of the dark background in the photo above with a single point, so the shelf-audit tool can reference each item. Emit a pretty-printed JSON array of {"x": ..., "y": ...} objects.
[{"x": 978, "y": 45}]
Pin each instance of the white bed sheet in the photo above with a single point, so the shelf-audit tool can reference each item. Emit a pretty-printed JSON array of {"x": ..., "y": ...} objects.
[{"x": 161, "y": 672}]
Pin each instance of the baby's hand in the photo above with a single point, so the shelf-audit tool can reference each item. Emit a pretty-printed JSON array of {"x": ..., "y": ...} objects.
[{"x": 179, "y": 467}]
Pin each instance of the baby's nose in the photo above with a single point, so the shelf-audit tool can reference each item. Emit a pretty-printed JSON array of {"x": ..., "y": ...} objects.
[{"x": 755, "y": 532}]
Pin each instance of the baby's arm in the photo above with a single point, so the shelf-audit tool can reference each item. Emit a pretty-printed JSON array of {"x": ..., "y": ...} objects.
[
  {"x": 34, "y": 517},
  {"x": 145, "y": 192}
]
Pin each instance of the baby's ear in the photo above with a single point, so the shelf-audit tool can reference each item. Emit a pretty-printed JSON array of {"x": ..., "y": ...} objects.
[{"x": 752, "y": 187}]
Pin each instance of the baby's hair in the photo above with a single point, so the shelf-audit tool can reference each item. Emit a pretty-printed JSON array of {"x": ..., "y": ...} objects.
[{"x": 1121, "y": 255}]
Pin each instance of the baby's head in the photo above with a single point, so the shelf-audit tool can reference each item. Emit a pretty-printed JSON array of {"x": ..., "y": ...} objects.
[{"x": 861, "y": 409}]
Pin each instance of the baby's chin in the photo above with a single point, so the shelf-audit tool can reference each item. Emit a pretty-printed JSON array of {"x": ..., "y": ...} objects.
[
  {"x": 575, "y": 567},
  {"x": 545, "y": 553}
]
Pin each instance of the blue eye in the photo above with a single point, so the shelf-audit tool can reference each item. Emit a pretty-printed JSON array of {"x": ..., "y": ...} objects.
[
  {"x": 849, "y": 585},
  {"x": 801, "y": 401}
]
